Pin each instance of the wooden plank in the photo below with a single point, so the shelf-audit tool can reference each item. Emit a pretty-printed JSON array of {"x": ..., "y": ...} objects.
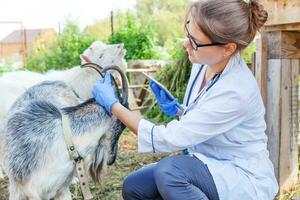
[
  {"x": 283, "y": 44},
  {"x": 282, "y": 27},
  {"x": 152, "y": 69},
  {"x": 261, "y": 65},
  {"x": 295, "y": 106},
  {"x": 282, "y": 11},
  {"x": 295, "y": 119},
  {"x": 136, "y": 86},
  {"x": 287, "y": 168},
  {"x": 273, "y": 112},
  {"x": 146, "y": 63},
  {"x": 252, "y": 67}
]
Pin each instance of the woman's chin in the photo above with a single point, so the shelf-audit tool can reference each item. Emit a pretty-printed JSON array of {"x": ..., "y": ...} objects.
[{"x": 192, "y": 59}]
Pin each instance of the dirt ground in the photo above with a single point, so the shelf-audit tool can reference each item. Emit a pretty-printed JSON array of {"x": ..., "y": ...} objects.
[{"x": 127, "y": 161}]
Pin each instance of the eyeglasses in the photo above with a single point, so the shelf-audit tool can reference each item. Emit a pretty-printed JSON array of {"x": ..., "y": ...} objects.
[{"x": 194, "y": 44}]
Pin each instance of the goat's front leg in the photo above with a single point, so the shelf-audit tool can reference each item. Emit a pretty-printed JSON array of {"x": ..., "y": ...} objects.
[
  {"x": 64, "y": 195},
  {"x": 15, "y": 193}
]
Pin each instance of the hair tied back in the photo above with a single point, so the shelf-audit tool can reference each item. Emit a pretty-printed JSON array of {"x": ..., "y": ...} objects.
[{"x": 258, "y": 16}]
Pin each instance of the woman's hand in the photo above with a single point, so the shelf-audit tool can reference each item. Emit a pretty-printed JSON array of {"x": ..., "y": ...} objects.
[
  {"x": 104, "y": 94},
  {"x": 168, "y": 105}
]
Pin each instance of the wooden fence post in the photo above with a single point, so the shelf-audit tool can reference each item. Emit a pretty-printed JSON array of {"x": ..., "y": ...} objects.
[{"x": 277, "y": 73}]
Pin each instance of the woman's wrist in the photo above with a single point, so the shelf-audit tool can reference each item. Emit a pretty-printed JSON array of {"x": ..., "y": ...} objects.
[
  {"x": 130, "y": 119},
  {"x": 115, "y": 107}
]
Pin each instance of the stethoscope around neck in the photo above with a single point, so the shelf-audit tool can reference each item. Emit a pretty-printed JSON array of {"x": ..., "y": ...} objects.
[{"x": 201, "y": 93}]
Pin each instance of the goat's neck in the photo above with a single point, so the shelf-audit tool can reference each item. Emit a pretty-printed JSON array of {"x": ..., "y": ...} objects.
[{"x": 82, "y": 81}]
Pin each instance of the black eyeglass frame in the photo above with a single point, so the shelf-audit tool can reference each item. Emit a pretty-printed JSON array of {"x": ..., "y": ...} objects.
[{"x": 194, "y": 44}]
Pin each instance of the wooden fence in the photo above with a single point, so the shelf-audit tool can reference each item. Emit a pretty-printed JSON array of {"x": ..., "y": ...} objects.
[
  {"x": 276, "y": 66},
  {"x": 138, "y": 85}
]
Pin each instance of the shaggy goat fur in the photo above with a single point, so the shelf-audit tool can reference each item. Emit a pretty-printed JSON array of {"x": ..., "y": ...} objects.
[
  {"x": 38, "y": 163},
  {"x": 81, "y": 80}
]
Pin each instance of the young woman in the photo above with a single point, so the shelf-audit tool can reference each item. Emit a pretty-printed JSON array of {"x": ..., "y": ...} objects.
[{"x": 222, "y": 126}]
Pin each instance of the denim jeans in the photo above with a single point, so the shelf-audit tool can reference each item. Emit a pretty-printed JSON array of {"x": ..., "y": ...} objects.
[{"x": 181, "y": 177}]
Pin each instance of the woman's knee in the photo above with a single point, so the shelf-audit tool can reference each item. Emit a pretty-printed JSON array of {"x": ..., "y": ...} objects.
[
  {"x": 140, "y": 184},
  {"x": 167, "y": 171}
]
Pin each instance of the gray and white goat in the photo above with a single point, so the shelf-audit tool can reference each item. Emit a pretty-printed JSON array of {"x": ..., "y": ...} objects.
[
  {"x": 37, "y": 159},
  {"x": 81, "y": 80}
]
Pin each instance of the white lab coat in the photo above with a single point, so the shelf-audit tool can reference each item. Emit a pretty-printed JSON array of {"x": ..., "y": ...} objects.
[{"x": 226, "y": 130}]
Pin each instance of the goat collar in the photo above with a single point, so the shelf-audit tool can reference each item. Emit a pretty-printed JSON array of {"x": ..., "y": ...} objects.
[{"x": 74, "y": 155}]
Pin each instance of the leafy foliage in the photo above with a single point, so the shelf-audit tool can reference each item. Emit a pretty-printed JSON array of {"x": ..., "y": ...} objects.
[
  {"x": 61, "y": 51},
  {"x": 139, "y": 42},
  {"x": 248, "y": 52},
  {"x": 6, "y": 69},
  {"x": 175, "y": 77}
]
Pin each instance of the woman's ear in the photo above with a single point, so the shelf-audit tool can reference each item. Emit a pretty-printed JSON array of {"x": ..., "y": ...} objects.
[{"x": 230, "y": 48}]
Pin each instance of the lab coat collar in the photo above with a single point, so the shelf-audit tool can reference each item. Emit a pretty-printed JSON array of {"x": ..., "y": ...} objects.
[{"x": 234, "y": 61}]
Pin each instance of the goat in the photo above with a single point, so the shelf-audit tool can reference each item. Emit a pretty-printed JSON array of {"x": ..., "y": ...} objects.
[
  {"x": 81, "y": 80},
  {"x": 37, "y": 160}
]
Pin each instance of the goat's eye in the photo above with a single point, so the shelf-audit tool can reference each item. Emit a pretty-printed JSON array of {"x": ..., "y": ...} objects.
[
  {"x": 90, "y": 48},
  {"x": 101, "y": 56}
]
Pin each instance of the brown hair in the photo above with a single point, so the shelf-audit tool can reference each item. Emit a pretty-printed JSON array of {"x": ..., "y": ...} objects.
[{"x": 227, "y": 21}]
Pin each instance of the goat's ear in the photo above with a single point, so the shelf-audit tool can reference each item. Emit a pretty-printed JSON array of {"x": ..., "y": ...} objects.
[{"x": 84, "y": 59}]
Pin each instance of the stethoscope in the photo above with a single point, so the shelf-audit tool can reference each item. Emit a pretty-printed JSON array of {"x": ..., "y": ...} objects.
[{"x": 201, "y": 93}]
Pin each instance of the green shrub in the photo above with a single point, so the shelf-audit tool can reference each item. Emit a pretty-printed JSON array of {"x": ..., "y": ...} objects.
[
  {"x": 173, "y": 76},
  {"x": 8, "y": 69},
  {"x": 139, "y": 42},
  {"x": 248, "y": 52}
]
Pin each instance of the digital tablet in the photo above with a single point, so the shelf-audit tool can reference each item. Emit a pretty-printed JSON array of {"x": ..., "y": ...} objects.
[
  {"x": 181, "y": 109},
  {"x": 159, "y": 84}
]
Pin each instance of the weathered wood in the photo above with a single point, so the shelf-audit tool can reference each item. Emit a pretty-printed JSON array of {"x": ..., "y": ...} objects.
[
  {"x": 261, "y": 65},
  {"x": 138, "y": 87},
  {"x": 273, "y": 112},
  {"x": 146, "y": 64},
  {"x": 282, "y": 27},
  {"x": 283, "y": 45},
  {"x": 295, "y": 106},
  {"x": 282, "y": 119},
  {"x": 152, "y": 69},
  {"x": 282, "y": 11},
  {"x": 252, "y": 67},
  {"x": 288, "y": 168}
]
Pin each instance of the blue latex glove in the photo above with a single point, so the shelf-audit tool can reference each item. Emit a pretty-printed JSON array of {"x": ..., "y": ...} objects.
[
  {"x": 168, "y": 105},
  {"x": 104, "y": 94}
]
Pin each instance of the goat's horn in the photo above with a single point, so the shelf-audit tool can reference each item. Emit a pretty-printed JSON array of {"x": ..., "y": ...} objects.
[
  {"x": 94, "y": 66},
  {"x": 124, "y": 82}
]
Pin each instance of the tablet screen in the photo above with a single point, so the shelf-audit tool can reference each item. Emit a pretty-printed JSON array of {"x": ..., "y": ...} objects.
[{"x": 159, "y": 84}]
